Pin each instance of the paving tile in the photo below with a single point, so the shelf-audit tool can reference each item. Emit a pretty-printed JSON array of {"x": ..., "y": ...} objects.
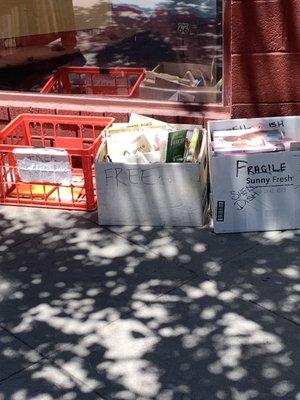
[
  {"x": 45, "y": 381},
  {"x": 92, "y": 216},
  {"x": 193, "y": 247},
  {"x": 261, "y": 267},
  {"x": 101, "y": 304},
  {"x": 268, "y": 275},
  {"x": 19, "y": 224},
  {"x": 14, "y": 355},
  {"x": 68, "y": 283},
  {"x": 198, "y": 342}
]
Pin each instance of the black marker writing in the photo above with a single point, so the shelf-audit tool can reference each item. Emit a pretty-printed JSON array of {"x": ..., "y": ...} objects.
[
  {"x": 242, "y": 165},
  {"x": 244, "y": 196},
  {"x": 132, "y": 176}
]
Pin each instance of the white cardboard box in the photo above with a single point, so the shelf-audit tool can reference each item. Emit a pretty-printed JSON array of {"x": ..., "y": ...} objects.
[
  {"x": 159, "y": 194},
  {"x": 202, "y": 94},
  {"x": 256, "y": 192}
]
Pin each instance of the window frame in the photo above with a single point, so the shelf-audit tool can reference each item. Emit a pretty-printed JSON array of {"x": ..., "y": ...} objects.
[{"x": 23, "y": 99}]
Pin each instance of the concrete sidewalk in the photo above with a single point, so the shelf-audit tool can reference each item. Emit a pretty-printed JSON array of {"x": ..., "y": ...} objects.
[{"x": 131, "y": 313}]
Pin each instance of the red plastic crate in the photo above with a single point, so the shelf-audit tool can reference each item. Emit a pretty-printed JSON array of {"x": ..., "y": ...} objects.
[
  {"x": 114, "y": 82},
  {"x": 76, "y": 137}
]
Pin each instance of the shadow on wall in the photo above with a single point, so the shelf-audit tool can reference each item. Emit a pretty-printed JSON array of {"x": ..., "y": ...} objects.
[
  {"x": 263, "y": 60},
  {"x": 145, "y": 313}
]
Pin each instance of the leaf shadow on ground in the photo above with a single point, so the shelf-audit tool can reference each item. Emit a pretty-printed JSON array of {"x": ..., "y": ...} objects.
[{"x": 145, "y": 313}]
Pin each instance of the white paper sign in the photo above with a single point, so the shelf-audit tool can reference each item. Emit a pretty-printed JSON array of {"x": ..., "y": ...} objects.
[{"x": 46, "y": 165}]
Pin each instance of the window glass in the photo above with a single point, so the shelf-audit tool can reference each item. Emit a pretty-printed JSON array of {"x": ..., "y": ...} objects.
[{"x": 177, "y": 42}]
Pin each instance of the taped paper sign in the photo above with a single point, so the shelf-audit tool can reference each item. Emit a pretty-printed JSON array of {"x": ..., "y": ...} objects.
[{"x": 44, "y": 165}]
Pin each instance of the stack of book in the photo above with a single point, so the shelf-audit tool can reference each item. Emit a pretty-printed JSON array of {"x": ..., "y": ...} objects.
[
  {"x": 252, "y": 140},
  {"x": 145, "y": 140}
]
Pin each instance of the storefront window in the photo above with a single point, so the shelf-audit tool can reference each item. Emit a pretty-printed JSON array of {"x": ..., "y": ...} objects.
[{"x": 178, "y": 42}]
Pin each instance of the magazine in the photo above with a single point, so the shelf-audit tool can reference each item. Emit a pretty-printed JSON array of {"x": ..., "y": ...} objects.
[{"x": 249, "y": 141}]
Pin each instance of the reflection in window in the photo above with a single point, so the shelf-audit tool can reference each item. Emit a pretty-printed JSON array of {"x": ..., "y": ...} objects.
[{"x": 179, "y": 43}]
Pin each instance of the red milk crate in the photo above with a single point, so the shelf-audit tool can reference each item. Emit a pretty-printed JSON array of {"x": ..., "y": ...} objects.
[
  {"x": 48, "y": 161},
  {"x": 114, "y": 82}
]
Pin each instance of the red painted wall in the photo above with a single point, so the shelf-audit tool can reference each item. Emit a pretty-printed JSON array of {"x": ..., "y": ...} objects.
[
  {"x": 7, "y": 113},
  {"x": 265, "y": 58}
]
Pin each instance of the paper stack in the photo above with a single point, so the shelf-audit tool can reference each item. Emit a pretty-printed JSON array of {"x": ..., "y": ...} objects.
[
  {"x": 145, "y": 140},
  {"x": 252, "y": 140}
]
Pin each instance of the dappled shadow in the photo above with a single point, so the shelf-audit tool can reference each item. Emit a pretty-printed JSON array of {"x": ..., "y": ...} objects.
[
  {"x": 141, "y": 49},
  {"x": 259, "y": 266},
  {"x": 34, "y": 75},
  {"x": 145, "y": 313},
  {"x": 261, "y": 55}
]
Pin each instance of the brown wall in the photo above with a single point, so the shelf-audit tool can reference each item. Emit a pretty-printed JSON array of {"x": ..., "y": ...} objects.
[{"x": 265, "y": 57}]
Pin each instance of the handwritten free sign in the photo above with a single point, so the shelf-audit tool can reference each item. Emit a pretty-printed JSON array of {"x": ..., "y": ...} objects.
[{"x": 43, "y": 165}]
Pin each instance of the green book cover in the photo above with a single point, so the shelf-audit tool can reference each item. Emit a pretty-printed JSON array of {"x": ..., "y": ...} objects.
[{"x": 175, "y": 146}]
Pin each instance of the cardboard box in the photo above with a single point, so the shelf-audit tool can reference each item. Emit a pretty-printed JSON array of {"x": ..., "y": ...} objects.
[
  {"x": 256, "y": 192},
  {"x": 202, "y": 94},
  {"x": 158, "y": 194},
  {"x": 179, "y": 69}
]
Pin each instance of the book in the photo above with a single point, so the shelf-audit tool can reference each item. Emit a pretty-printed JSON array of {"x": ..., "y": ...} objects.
[
  {"x": 142, "y": 119},
  {"x": 252, "y": 140},
  {"x": 130, "y": 146},
  {"x": 192, "y": 145},
  {"x": 176, "y": 146}
]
